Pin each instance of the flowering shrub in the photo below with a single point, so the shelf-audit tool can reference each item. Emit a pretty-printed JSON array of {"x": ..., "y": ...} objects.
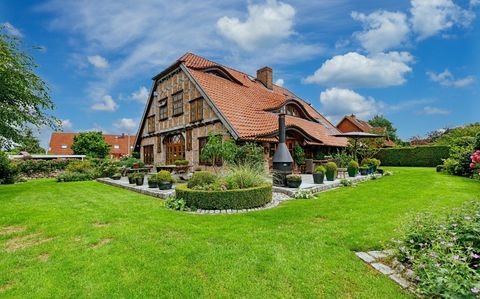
[
  {"x": 475, "y": 161},
  {"x": 444, "y": 253}
]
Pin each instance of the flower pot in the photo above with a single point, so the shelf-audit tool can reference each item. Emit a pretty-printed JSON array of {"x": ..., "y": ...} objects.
[
  {"x": 164, "y": 185},
  {"x": 139, "y": 181},
  {"x": 116, "y": 178},
  {"x": 293, "y": 184},
  {"x": 331, "y": 175},
  {"x": 352, "y": 172},
  {"x": 363, "y": 171},
  {"x": 131, "y": 180},
  {"x": 370, "y": 170},
  {"x": 152, "y": 184},
  {"x": 318, "y": 177}
]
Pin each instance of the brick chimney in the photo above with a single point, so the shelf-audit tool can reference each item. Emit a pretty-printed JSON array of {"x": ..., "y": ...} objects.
[{"x": 264, "y": 75}]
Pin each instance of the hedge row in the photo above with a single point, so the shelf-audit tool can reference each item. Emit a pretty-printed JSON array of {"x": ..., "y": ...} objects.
[
  {"x": 423, "y": 156},
  {"x": 223, "y": 200}
]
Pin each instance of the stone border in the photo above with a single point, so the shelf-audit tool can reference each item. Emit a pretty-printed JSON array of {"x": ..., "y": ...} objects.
[
  {"x": 155, "y": 192},
  {"x": 394, "y": 270}
]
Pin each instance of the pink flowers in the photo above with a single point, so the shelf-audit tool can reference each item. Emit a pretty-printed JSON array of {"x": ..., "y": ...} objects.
[{"x": 475, "y": 159}]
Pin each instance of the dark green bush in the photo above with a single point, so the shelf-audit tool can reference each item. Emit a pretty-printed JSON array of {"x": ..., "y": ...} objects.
[
  {"x": 131, "y": 162},
  {"x": 229, "y": 199},
  {"x": 202, "y": 178},
  {"x": 164, "y": 176},
  {"x": 107, "y": 168},
  {"x": 420, "y": 156},
  {"x": 69, "y": 176},
  {"x": 80, "y": 166},
  {"x": 181, "y": 162},
  {"x": 32, "y": 167}
]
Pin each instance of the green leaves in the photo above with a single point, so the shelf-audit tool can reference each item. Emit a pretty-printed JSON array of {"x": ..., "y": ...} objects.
[{"x": 91, "y": 144}]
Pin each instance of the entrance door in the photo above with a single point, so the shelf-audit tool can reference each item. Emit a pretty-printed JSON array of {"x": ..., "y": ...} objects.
[
  {"x": 148, "y": 154},
  {"x": 174, "y": 148}
]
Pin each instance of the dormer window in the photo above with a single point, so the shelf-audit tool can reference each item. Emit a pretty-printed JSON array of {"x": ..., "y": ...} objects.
[{"x": 293, "y": 110}]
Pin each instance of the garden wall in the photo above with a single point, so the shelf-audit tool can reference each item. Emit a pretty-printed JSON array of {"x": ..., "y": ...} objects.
[{"x": 423, "y": 156}]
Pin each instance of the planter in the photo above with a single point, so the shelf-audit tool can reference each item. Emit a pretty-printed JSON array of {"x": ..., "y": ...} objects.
[
  {"x": 371, "y": 170},
  {"x": 131, "y": 180},
  {"x": 318, "y": 177},
  {"x": 116, "y": 178},
  {"x": 164, "y": 185},
  {"x": 152, "y": 184},
  {"x": 331, "y": 175},
  {"x": 363, "y": 171},
  {"x": 293, "y": 184},
  {"x": 352, "y": 172},
  {"x": 139, "y": 181}
]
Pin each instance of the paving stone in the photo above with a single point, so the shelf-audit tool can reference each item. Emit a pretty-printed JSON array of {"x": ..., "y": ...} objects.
[
  {"x": 400, "y": 280},
  {"x": 382, "y": 268},
  {"x": 378, "y": 254},
  {"x": 365, "y": 257}
]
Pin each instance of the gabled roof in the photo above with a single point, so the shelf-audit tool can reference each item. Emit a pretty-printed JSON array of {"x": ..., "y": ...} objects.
[
  {"x": 364, "y": 126},
  {"x": 245, "y": 103}
]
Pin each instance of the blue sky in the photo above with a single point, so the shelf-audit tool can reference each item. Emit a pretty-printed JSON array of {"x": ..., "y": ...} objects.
[{"x": 415, "y": 61}]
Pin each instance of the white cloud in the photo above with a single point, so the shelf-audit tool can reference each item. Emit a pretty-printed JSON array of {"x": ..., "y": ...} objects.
[
  {"x": 429, "y": 110},
  {"x": 105, "y": 104},
  {"x": 382, "y": 30},
  {"x": 338, "y": 102},
  {"x": 265, "y": 23},
  {"x": 446, "y": 78},
  {"x": 140, "y": 95},
  {"x": 356, "y": 70},
  {"x": 432, "y": 16},
  {"x": 98, "y": 61},
  {"x": 279, "y": 82},
  {"x": 10, "y": 29},
  {"x": 474, "y": 2},
  {"x": 126, "y": 124},
  {"x": 66, "y": 124}
]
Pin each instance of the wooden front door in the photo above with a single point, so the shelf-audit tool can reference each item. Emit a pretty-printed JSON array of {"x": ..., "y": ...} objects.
[
  {"x": 174, "y": 148},
  {"x": 148, "y": 154}
]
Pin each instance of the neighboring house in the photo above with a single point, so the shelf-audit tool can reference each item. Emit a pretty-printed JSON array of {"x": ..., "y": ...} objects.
[
  {"x": 120, "y": 145},
  {"x": 350, "y": 123},
  {"x": 195, "y": 96}
]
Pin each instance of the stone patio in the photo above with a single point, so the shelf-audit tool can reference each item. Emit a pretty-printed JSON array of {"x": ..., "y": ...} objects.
[{"x": 123, "y": 183}]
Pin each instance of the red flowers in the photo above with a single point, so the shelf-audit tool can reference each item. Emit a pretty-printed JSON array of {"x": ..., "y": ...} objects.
[{"x": 475, "y": 159}]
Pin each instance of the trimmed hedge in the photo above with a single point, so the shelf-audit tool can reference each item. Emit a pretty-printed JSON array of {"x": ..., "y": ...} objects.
[
  {"x": 222, "y": 200},
  {"x": 423, "y": 156}
]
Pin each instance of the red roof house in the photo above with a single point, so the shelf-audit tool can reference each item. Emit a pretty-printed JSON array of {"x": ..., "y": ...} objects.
[{"x": 350, "y": 123}]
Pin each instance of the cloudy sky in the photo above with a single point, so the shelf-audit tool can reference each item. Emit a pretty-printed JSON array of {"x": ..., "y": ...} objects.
[{"x": 413, "y": 61}]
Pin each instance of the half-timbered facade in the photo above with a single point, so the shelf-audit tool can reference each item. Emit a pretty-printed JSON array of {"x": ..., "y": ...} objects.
[{"x": 195, "y": 96}]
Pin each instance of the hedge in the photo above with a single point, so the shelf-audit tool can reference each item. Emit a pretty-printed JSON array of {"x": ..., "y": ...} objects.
[
  {"x": 423, "y": 156},
  {"x": 223, "y": 200}
]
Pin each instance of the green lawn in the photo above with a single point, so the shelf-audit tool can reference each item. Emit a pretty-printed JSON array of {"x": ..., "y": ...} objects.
[{"x": 87, "y": 239}]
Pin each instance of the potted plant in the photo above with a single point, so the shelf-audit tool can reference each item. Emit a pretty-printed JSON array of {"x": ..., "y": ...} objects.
[
  {"x": 319, "y": 175},
  {"x": 131, "y": 178},
  {"x": 376, "y": 163},
  {"x": 152, "y": 181},
  {"x": 352, "y": 168},
  {"x": 294, "y": 180},
  {"x": 331, "y": 171},
  {"x": 165, "y": 180},
  {"x": 364, "y": 170},
  {"x": 116, "y": 176},
  {"x": 181, "y": 162},
  {"x": 139, "y": 179}
]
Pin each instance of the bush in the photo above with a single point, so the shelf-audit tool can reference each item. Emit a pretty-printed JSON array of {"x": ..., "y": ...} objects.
[
  {"x": 69, "y": 176},
  {"x": 249, "y": 154},
  {"x": 294, "y": 178},
  {"x": 175, "y": 203},
  {"x": 423, "y": 156},
  {"x": 243, "y": 176},
  {"x": 80, "y": 167},
  {"x": 319, "y": 169},
  {"x": 202, "y": 178},
  {"x": 444, "y": 253},
  {"x": 342, "y": 159},
  {"x": 107, "y": 168},
  {"x": 298, "y": 155},
  {"x": 164, "y": 176},
  {"x": 181, "y": 162},
  {"x": 229, "y": 199},
  {"x": 331, "y": 169},
  {"x": 346, "y": 183},
  {"x": 353, "y": 165},
  {"x": 8, "y": 170},
  {"x": 131, "y": 162},
  {"x": 33, "y": 167}
]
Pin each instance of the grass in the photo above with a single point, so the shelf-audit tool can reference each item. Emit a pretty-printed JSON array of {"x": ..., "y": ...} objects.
[{"x": 85, "y": 239}]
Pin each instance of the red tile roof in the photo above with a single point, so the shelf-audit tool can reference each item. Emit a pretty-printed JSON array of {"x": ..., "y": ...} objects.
[
  {"x": 59, "y": 140},
  {"x": 363, "y": 126},
  {"x": 246, "y": 103}
]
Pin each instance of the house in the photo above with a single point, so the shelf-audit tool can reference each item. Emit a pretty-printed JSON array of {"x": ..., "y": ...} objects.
[
  {"x": 350, "y": 123},
  {"x": 195, "y": 96},
  {"x": 120, "y": 145}
]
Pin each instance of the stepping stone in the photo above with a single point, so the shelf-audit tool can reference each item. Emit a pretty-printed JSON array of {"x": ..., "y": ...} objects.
[
  {"x": 400, "y": 280},
  {"x": 365, "y": 257},
  {"x": 382, "y": 268},
  {"x": 378, "y": 254}
]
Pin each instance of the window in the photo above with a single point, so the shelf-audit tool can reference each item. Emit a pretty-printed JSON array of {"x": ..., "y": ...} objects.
[
  {"x": 292, "y": 110},
  {"x": 177, "y": 103},
  {"x": 188, "y": 133},
  {"x": 196, "y": 110},
  {"x": 64, "y": 146},
  {"x": 163, "y": 109},
  {"x": 116, "y": 146},
  {"x": 159, "y": 144},
  {"x": 151, "y": 124},
  {"x": 148, "y": 154}
]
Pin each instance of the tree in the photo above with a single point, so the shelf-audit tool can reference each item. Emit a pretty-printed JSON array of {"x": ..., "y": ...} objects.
[
  {"x": 91, "y": 144},
  {"x": 24, "y": 96},
  {"x": 382, "y": 122},
  {"x": 216, "y": 150},
  {"x": 29, "y": 144}
]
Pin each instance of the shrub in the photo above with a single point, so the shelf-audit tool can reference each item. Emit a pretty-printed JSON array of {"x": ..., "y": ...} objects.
[
  {"x": 342, "y": 159},
  {"x": 249, "y": 154},
  {"x": 228, "y": 199},
  {"x": 201, "y": 178},
  {"x": 372, "y": 162},
  {"x": 444, "y": 253},
  {"x": 243, "y": 176},
  {"x": 181, "y": 162},
  {"x": 175, "y": 203},
  {"x": 107, "y": 168},
  {"x": 331, "y": 169},
  {"x": 69, "y": 176},
  {"x": 164, "y": 176},
  {"x": 346, "y": 183},
  {"x": 319, "y": 169},
  {"x": 294, "y": 178},
  {"x": 353, "y": 165},
  {"x": 32, "y": 167},
  {"x": 80, "y": 167},
  {"x": 426, "y": 156},
  {"x": 131, "y": 162},
  {"x": 298, "y": 155}
]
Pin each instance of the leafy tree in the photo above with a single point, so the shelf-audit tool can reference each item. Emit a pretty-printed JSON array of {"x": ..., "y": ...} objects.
[
  {"x": 91, "y": 144},
  {"x": 250, "y": 154},
  {"x": 450, "y": 136},
  {"x": 216, "y": 150},
  {"x": 382, "y": 122},
  {"x": 29, "y": 144},
  {"x": 24, "y": 96},
  {"x": 298, "y": 155}
]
